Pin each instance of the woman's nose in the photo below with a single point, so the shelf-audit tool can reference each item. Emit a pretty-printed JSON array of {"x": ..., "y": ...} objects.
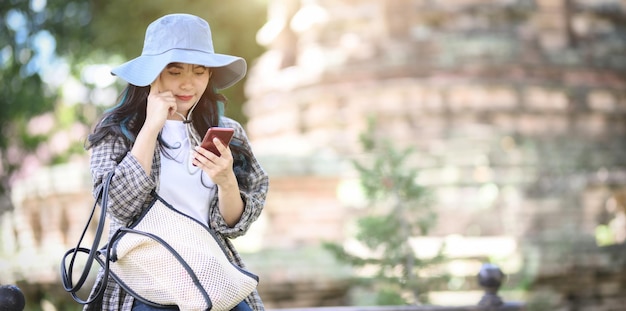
[{"x": 186, "y": 82}]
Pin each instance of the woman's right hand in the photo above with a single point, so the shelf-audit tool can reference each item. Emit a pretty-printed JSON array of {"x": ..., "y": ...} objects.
[{"x": 160, "y": 106}]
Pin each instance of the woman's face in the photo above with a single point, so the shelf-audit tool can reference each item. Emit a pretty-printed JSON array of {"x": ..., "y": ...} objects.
[{"x": 187, "y": 83}]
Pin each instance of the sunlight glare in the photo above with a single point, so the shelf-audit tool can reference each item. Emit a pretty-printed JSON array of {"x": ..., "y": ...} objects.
[
  {"x": 309, "y": 16},
  {"x": 38, "y": 5},
  {"x": 74, "y": 92},
  {"x": 15, "y": 20},
  {"x": 98, "y": 75},
  {"x": 5, "y": 56},
  {"x": 55, "y": 73}
]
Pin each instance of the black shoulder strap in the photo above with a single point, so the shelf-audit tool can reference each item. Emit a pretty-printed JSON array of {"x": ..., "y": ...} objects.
[{"x": 67, "y": 270}]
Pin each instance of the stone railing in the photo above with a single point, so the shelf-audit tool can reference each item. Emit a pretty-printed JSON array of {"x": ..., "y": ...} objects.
[
  {"x": 503, "y": 307},
  {"x": 490, "y": 278}
]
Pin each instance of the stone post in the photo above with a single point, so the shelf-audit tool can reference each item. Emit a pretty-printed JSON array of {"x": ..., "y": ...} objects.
[
  {"x": 11, "y": 298},
  {"x": 490, "y": 277}
]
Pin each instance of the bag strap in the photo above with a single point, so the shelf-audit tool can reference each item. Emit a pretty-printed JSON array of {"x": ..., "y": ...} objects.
[{"x": 68, "y": 270}]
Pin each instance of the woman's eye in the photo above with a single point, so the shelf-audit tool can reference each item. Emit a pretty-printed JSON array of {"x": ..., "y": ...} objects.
[{"x": 174, "y": 73}]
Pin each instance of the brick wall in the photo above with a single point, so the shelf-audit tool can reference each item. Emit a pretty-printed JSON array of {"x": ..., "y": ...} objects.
[{"x": 516, "y": 109}]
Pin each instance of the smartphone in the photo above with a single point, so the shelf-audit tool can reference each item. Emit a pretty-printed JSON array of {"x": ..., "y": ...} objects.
[{"x": 225, "y": 134}]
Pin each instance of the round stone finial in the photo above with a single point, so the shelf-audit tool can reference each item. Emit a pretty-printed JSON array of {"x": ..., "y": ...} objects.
[
  {"x": 11, "y": 298},
  {"x": 490, "y": 277}
]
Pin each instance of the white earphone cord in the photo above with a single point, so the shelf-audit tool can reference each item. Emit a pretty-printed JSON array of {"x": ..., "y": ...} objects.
[{"x": 194, "y": 139}]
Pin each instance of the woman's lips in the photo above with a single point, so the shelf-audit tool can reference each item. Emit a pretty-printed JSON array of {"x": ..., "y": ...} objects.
[{"x": 184, "y": 97}]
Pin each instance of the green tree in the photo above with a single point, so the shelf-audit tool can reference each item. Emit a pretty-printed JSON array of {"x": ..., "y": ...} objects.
[
  {"x": 399, "y": 209},
  {"x": 27, "y": 32}
]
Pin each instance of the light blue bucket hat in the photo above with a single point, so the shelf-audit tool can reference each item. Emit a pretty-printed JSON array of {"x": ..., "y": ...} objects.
[{"x": 180, "y": 38}]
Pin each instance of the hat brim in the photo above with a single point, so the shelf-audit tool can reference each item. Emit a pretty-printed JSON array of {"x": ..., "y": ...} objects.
[{"x": 143, "y": 70}]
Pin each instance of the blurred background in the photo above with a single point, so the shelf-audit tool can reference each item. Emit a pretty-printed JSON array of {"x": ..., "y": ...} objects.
[{"x": 408, "y": 142}]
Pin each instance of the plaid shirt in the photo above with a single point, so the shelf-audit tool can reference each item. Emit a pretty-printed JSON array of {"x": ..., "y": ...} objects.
[{"x": 129, "y": 193}]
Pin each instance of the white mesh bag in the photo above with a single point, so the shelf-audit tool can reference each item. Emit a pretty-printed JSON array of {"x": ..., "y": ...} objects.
[
  {"x": 168, "y": 258},
  {"x": 165, "y": 258}
]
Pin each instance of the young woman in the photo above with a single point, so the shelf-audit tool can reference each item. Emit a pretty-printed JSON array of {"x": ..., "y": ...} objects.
[{"x": 151, "y": 140}]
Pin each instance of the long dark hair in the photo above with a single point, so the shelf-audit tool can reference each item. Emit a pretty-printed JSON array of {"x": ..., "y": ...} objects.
[{"x": 128, "y": 116}]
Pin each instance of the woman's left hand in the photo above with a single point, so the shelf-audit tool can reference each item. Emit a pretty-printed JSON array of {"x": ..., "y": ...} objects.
[{"x": 219, "y": 168}]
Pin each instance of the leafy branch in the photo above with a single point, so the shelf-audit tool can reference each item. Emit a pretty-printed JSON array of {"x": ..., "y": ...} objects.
[{"x": 399, "y": 210}]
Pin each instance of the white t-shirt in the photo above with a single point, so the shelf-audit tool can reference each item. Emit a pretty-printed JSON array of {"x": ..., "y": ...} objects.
[{"x": 181, "y": 184}]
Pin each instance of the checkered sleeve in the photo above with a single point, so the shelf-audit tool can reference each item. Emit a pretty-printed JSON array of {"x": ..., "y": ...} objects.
[{"x": 131, "y": 185}]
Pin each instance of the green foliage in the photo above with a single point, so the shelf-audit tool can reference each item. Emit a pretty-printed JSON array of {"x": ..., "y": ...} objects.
[
  {"x": 399, "y": 209},
  {"x": 23, "y": 27},
  {"x": 389, "y": 296}
]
